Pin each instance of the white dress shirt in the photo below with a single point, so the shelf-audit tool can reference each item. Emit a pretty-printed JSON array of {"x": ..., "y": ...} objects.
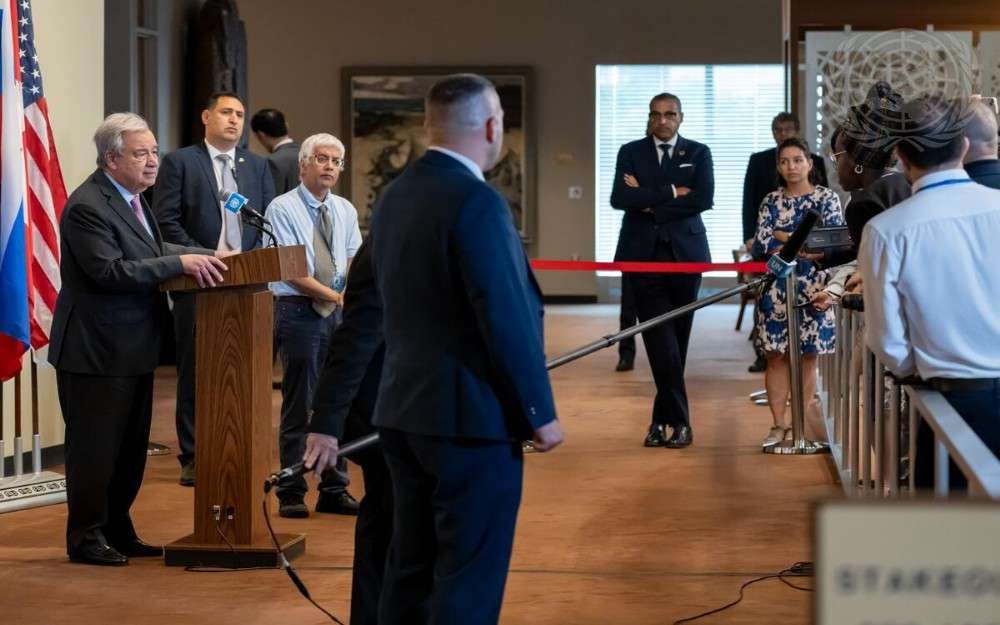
[
  {"x": 461, "y": 158},
  {"x": 931, "y": 270},
  {"x": 670, "y": 148},
  {"x": 217, "y": 166}
]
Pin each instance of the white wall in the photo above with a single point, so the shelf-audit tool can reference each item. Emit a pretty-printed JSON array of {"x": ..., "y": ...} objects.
[{"x": 69, "y": 35}]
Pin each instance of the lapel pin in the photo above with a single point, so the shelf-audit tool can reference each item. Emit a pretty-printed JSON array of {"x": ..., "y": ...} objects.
[
  {"x": 681, "y": 153},
  {"x": 243, "y": 159}
]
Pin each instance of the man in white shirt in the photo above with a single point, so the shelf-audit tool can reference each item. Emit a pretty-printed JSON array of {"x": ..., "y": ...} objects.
[
  {"x": 308, "y": 309},
  {"x": 931, "y": 283}
]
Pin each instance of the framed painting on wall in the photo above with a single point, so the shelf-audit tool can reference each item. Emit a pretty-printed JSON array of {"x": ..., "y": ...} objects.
[{"x": 383, "y": 109}]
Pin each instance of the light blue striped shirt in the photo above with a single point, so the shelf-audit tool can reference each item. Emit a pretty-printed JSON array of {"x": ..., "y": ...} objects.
[{"x": 293, "y": 221}]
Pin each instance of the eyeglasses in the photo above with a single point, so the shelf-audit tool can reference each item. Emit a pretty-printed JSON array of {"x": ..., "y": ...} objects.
[
  {"x": 653, "y": 115},
  {"x": 323, "y": 159},
  {"x": 836, "y": 155}
]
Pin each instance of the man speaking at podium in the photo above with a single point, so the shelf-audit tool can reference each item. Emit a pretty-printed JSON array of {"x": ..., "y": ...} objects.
[
  {"x": 106, "y": 337},
  {"x": 464, "y": 380}
]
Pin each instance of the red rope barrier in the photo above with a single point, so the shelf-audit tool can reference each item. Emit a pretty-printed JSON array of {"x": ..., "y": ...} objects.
[{"x": 645, "y": 267}]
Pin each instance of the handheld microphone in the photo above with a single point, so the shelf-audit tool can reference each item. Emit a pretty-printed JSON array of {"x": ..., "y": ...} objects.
[
  {"x": 299, "y": 468},
  {"x": 782, "y": 263}
]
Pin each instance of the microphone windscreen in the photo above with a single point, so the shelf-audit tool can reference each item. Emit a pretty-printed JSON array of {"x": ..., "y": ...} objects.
[{"x": 795, "y": 242}]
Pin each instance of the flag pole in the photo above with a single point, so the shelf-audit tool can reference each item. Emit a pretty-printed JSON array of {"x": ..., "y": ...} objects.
[
  {"x": 36, "y": 431},
  {"x": 18, "y": 443}
]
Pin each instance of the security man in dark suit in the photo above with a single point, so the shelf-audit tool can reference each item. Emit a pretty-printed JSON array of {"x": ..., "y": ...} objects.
[
  {"x": 663, "y": 183},
  {"x": 268, "y": 125},
  {"x": 464, "y": 380},
  {"x": 762, "y": 178},
  {"x": 187, "y": 206},
  {"x": 342, "y": 410},
  {"x": 981, "y": 129},
  {"x": 106, "y": 336}
]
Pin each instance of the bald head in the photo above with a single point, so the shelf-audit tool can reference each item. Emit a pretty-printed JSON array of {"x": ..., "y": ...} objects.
[
  {"x": 463, "y": 113},
  {"x": 981, "y": 130}
]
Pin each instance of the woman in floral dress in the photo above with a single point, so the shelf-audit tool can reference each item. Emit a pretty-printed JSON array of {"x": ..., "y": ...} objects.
[{"x": 781, "y": 212}]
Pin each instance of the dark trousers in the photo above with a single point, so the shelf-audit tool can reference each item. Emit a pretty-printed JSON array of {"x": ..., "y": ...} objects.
[
  {"x": 666, "y": 344},
  {"x": 453, "y": 527},
  {"x": 372, "y": 534},
  {"x": 627, "y": 319},
  {"x": 107, "y": 430},
  {"x": 981, "y": 410},
  {"x": 184, "y": 318},
  {"x": 303, "y": 338}
]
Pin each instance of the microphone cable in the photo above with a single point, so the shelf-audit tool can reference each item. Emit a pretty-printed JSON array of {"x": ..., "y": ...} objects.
[
  {"x": 799, "y": 569},
  {"x": 292, "y": 573}
]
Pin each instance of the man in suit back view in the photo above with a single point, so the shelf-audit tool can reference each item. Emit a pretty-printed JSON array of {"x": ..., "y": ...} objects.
[
  {"x": 188, "y": 209},
  {"x": 464, "y": 380},
  {"x": 269, "y": 126}
]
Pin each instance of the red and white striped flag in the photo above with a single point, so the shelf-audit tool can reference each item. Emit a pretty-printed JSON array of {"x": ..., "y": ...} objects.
[{"x": 42, "y": 192}]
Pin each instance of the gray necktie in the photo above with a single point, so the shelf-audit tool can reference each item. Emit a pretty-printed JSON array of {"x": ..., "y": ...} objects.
[
  {"x": 230, "y": 221},
  {"x": 326, "y": 267}
]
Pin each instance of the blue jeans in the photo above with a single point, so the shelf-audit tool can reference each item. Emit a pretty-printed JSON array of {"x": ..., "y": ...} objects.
[
  {"x": 981, "y": 410},
  {"x": 303, "y": 337}
]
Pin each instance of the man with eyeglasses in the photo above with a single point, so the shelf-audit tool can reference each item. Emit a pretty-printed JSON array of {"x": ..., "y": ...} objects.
[
  {"x": 663, "y": 183},
  {"x": 307, "y": 310}
]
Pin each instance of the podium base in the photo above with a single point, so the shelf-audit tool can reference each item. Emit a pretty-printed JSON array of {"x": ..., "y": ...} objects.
[{"x": 186, "y": 552}]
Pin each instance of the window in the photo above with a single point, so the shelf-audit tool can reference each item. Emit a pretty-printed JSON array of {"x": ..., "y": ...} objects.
[{"x": 727, "y": 107}]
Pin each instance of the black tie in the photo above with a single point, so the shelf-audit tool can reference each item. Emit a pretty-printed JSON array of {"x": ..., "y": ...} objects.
[{"x": 666, "y": 154}]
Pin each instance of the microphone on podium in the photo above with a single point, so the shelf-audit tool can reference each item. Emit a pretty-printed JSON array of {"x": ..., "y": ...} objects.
[
  {"x": 782, "y": 263},
  {"x": 236, "y": 203},
  {"x": 299, "y": 468}
]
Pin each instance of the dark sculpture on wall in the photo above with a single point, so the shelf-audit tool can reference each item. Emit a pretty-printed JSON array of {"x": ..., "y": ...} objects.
[{"x": 217, "y": 61}]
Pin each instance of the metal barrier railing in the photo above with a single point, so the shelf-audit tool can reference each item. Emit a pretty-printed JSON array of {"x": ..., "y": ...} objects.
[{"x": 874, "y": 448}]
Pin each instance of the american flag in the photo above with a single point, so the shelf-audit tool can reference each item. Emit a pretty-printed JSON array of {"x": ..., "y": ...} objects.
[{"x": 32, "y": 194}]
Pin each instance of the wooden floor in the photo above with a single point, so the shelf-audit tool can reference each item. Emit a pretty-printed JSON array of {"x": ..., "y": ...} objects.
[{"x": 610, "y": 533}]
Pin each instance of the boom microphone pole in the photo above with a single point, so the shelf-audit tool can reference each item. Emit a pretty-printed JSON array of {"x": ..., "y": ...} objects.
[{"x": 779, "y": 266}]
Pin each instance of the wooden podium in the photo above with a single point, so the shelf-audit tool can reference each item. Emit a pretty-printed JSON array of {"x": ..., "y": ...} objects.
[{"x": 233, "y": 343}]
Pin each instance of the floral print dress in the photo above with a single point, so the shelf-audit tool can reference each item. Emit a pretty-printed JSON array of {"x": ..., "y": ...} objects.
[{"x": 780, "y": 212}]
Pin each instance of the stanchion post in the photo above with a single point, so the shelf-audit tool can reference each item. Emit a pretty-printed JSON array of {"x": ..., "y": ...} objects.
[
  {"x": 914, "y": 424},
  {"x": 868, "y": 417},
  {"x": 879, "y": 424},
  {"x": 799, "y": 444},
  {"x": 892, "y": 457}
]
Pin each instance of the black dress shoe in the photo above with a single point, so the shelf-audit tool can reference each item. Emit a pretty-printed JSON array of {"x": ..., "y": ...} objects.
[
  {"x": 293, "y": 508},
  {"x": 187, "y": 475},
  {"x": 656, "y": 437},
  {"x": 341, "y": 503},
  {"x": 758, "y": 365},
  {"x": 681, "y": 437},
  {"x": 625, "y": 364},
  {"x": 135, "y": 548},
  {"x": 98, "y": 553}
]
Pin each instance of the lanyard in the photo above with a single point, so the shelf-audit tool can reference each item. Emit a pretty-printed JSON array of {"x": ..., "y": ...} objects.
[{"x": 945, "y": 183}]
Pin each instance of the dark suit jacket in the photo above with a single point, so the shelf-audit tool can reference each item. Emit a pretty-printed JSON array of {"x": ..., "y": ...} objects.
[
  {"x": 677, "y": 220},
  {"x": 762, "y": 178},
  {"x": 864, "y": 204},
  {"x": 348, "y": 384},
  {"x": 284, "y": 166},
  {"x": 109, "y": 311},
  {"x": 985, "y": 172},
  {"x": 462, "y": 313},
  {"x": 186, "y": 196}
]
